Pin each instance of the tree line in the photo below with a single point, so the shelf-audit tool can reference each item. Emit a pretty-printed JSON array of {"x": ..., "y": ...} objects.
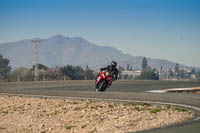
[
  {"x": 68, "y": 72},
  {"x": 147, "y": 72}
]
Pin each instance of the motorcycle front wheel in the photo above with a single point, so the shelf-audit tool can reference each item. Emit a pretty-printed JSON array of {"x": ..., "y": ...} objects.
[{"x": 101, "y": 86}]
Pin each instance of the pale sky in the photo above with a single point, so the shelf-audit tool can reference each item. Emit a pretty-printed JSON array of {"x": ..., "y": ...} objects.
[{"x": 165, "y": 29}]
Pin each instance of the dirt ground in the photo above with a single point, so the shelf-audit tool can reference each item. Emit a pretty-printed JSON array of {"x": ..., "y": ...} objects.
[
  {"x": 41, "y": 115},
  {"x": 197, "y": 92}
]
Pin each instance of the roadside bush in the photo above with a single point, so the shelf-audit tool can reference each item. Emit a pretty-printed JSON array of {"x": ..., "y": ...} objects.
[
  {"x": 148, "y": 74},
  {"x": 4, "y": 68},
  {"x": 21, "y": 74},
  {"x": 74, "y": 72},
  {"x": 89, "y": 74},
  {"x": 198, "y": 75}
]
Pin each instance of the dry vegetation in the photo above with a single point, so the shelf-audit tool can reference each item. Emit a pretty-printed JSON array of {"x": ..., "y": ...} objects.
[{"x": 40, "y": 115}]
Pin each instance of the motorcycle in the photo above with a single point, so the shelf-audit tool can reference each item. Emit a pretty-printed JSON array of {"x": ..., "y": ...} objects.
[{"x": 103, "y": 80}]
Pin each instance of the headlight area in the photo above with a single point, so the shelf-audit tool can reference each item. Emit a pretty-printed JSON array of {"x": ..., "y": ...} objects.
[{"x": 107, "y": 74}]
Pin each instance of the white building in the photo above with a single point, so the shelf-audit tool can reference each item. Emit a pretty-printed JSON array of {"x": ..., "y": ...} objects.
[{"x": 130, "y": 74}]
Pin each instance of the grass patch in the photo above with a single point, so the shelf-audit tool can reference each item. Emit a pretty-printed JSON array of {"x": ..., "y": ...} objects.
[
  {"x": 64, "y": 108},
  {"x": 75, "y": 102},
  {"x": 110, "y": 106},
  {"x": 153, "y": 111},
  {"x": 181, "y": 109},
  {"x": 94, "y": 108},
  {"x": 144, "y": 104},
  {"x": 77, "y": 109},
  {"x": 137, "y": 108},
  {"x": 69, "y": 127},
  {"x": 99, "y": 106},
  {"x": 5, "y": 111},
  {"x": 169, "y": 106},
  {"x": 44, "y": 111}
]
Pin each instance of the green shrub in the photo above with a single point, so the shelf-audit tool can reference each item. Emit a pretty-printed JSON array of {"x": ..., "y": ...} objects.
[
  {"x": 181, "y": 109},
  {"x": 68, "y": 127},
  {"x": 154, "y": 110},
  {"x": 137, "y": 108},
  {"x": 144, "y": 104}
]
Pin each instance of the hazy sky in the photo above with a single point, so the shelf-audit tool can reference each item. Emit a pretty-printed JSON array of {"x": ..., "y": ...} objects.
[{"x": 166, "y": 29}]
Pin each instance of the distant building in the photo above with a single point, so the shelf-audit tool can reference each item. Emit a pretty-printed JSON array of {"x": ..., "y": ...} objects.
[
  {"x": 193, "y": 76},
  {"x": 182, "y": 74},
  {"x": 163, "y": 76},
  {"x": 130, "y": 74}
]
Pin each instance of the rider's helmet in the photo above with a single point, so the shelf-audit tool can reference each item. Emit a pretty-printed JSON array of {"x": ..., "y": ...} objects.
[{"x": 114, "y": 64}]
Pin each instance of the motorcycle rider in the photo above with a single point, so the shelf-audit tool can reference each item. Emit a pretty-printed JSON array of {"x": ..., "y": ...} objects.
[{"x": 113, "y": 69}]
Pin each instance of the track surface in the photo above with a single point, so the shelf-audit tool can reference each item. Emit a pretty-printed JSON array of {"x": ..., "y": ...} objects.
[{"x": 120, "y": 90}]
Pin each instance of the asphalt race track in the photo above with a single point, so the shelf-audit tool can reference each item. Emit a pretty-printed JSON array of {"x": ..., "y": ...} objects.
[{"x": 127, "y": 91}]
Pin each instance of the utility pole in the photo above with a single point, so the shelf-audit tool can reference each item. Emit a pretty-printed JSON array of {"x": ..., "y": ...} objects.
[{"x": 36, "y": 43}]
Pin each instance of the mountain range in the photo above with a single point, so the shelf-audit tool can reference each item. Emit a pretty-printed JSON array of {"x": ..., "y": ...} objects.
[{"x": 59, "y": 50}]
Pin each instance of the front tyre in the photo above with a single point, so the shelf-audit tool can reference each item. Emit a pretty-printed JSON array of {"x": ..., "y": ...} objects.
[{"x": 101, "y": 86}]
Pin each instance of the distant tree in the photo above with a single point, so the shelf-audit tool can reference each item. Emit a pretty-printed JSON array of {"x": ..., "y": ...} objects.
[
  {"x": 89, "y": 73},
  {"x": 177, "y": 69},
  {"x": 193, "y": 71},
  {"x": 4, "y": 67},
  {"x": 21, "y": 74},
  {"x": 170, "y": 72},
  {"x": 40, "y": 66},
  {"x": 87, "y": 67},
  {"x": 131, "y": 68},
  {"x": 54, "y": 74},
  {"x": 120, "y": 71},
  {"x": 181, "y": 74},
  {"x": 125, "y": 76},
  {"x": 161, "y": 69},
  {"x": 42, "y": 72},
  {"x": 148, "y": 74},
  {"x": 144, "y": 63},
  {"x": 198, "y": 74},
  {"x": 128, "y": 67},
  {"x": 74, "y": 72}
]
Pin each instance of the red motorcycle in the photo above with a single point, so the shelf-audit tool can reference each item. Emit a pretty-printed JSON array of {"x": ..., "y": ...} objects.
[{"x": 103, "y": 80}]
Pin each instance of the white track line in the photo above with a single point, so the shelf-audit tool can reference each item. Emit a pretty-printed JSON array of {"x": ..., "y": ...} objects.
[
  {"x": 116, "y": 100},
  {"x": 156, "y": 91},
  {"x": 175, "y": 90}
]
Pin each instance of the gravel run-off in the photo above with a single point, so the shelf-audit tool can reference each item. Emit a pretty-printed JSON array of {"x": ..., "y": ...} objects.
[{"x": 41, "y": 115}]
